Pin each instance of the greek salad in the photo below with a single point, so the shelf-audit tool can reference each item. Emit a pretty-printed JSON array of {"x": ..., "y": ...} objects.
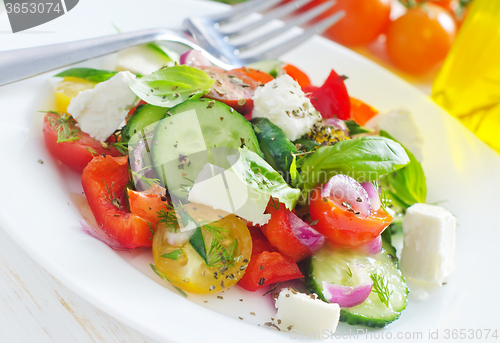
[{"x": 253, "y": 178}]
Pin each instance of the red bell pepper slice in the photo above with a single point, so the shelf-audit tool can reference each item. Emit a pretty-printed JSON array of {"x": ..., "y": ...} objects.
[
  {"x": 104, "y": 180},
  {"x": 266, "y": 266},
  {"x": 331, "y": 99},
  {"x": 298, "y": 75}
]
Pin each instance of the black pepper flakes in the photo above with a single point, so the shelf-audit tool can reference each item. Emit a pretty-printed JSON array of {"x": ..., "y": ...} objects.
[
  {"x": 262, "y": 281},
  {"x": 220, "y": 297},
  {"x": 211, "y": 104}
]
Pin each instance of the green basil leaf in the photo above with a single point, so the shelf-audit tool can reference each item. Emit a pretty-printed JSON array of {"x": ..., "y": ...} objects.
[
  {"x": 173, "y": 255},
  {"x": 96, "y": 75},
  {"x": 363, "y": 158},
  {"x": 170, "y": 86},
  {"x": 198, "y": 243},
  {"x": 355, "y": 129},
  {"x": 170, "y": 56},
  {"x": 257, "y": 174},
  {"x": 406, "y": 186}
]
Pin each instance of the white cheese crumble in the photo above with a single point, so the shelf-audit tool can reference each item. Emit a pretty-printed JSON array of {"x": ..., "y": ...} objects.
[
  {"x": 223, "y": 190},
  {"x": 401, "y": 125},
  {"x": 306, "y": 314},
  {"x": 285, "y": 105},
  {"x": 428, "y": 243},
  {"x": 101, "y": 110}
]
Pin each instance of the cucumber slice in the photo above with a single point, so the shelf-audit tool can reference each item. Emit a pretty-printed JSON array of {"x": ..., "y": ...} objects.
[
  {"x": 276, "y": 147},
  {"x": 143, "y": 116},
  {"x": 199, "y": 131},
  {"x": 330, "y": 264}
]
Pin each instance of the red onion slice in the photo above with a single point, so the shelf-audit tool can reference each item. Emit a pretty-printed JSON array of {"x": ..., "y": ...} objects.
[
  {"x": 350, "y": 296},
  {"x": 306, "y": 235},
  {"x": 338, "y": 123},
  {"x": 101, "y": 236},
  {"x": 372, "y": 247},
  {"x": 373, "y": 195},
  {"x": 195, "y": 58},
  {"x": 348, "y": 194}
]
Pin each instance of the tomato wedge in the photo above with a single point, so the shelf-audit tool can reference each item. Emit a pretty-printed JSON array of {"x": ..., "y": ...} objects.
[
  {"x": 280, "y": 234},
  {"x": 255, "y": 74},
  {"x": 104, "y": 180},
  {"x": 147, "y": 204},
  {"x": 233, "y": 88},
  {"x": 331, "y": 99},
  {"x": 75, "y": 148},
  {"x": 361, "y": 112},
  {"x": 344, "y": 228},
  {"x": 267, "y": 267},
  {"x": 298, "y": 75}
]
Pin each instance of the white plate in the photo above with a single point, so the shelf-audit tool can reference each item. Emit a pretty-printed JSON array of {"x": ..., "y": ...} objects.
[{"x": 38, "y": 210}]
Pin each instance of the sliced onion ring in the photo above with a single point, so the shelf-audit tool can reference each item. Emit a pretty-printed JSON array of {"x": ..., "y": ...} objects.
[
  {"x": 350, "y": 296},
  {"x": 306, "y": 235},
  {"x": 372, "y": 247},
  {"x": 373, "y": 195},
  {"x": 348, "y": 194},
  {"x": 101, "y": 236},
  {"x": 338, "y": 123},
  {"x": 195, "y": 58}
]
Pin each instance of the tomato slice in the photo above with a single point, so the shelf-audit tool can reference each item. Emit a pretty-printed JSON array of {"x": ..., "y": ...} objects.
[
  {"x": 361, "y": 112},
  {"x": 331, "y": 99},
  {"x": 233, "y": 88},
  {"x": 344, "y": 228},
  {"x": 280, "y": 234},
  {"x": 76, "y": 148},
  {"x": 255, "y": 74},
  {"x": 298, "y": 75},
  {"x": 227, "y": 249},
  {"x": 104, "y": 180},
  {"x": 267, "y": 267},
  {"x": 147, "y": 204}
]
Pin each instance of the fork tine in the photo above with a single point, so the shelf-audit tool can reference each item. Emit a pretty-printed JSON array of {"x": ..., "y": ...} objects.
[
  {"x": 277, "y": 13},
  {"x": 301, "y": 19},
  {"x": 279, "y": 50},
  {"x": 243, "y": 9}
]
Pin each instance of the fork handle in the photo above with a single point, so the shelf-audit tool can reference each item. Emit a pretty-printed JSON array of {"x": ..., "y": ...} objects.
[{"x": 19, "y": 64}]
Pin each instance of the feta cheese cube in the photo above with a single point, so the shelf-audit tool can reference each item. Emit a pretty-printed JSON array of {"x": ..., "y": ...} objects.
[
  {"x": 223, "y": 190},
  {"x": 101, "y": 110},
  {"x": 304, "y": 313},
  {"x": 401, "y": 125},
  {"x": 285, "y": 105},
  {"x": 428, "y": 243}
]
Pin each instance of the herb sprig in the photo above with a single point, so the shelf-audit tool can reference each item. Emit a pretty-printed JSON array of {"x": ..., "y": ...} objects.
[{"x": 381, "y": 287}]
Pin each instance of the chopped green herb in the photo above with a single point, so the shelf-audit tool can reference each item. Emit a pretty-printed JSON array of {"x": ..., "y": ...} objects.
[
  {"x": 173, "y": 255},
  {"x": 160, "y": 274},
  {"x": 381, "y": 287}
]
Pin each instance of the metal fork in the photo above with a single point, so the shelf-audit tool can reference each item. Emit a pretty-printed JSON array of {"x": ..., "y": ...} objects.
[{"x": 208, "y": 34}]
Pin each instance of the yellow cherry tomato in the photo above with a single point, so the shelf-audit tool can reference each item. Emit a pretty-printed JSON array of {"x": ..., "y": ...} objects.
[
  {"x": 225, "y": 239},
  {"x": 68, "y": 88}
]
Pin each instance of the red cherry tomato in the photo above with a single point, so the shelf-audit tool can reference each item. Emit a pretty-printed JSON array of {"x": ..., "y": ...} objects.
[
  {"x": 280, "y": 234},
  {"x": 420, "y": 38},
  {"x": 331, "y": 99},
  {"x": 267, "y": 266},
  {"x": 233, "y": 88},
  {"x": 104, "y": 180},
  {"x": 344, "y": 228},
  {"x": 78, "y": 150}
]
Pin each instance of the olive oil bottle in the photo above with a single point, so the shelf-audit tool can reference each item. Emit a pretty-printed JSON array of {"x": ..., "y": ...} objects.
[{"x": 468, "y": 84}]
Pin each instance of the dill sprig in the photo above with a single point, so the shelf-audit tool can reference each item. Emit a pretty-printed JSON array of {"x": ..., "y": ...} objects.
[
  {"x": 148, "y": 182},
  {"x": 160, "y": 274},
  {"x": 65, "y": 126},
  {"x": 218, "y": 255},
  {"x": 381, "y": 287},
  {"x": 348, "y": 270},
  {"x": 111, "y": 197}
]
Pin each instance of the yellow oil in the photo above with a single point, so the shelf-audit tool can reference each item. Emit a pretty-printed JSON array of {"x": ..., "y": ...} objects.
[{"x": 468, "y": 84}]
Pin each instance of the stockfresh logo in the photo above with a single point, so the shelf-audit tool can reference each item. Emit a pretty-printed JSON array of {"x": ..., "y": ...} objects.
[{"x": 24, "y": 14}]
